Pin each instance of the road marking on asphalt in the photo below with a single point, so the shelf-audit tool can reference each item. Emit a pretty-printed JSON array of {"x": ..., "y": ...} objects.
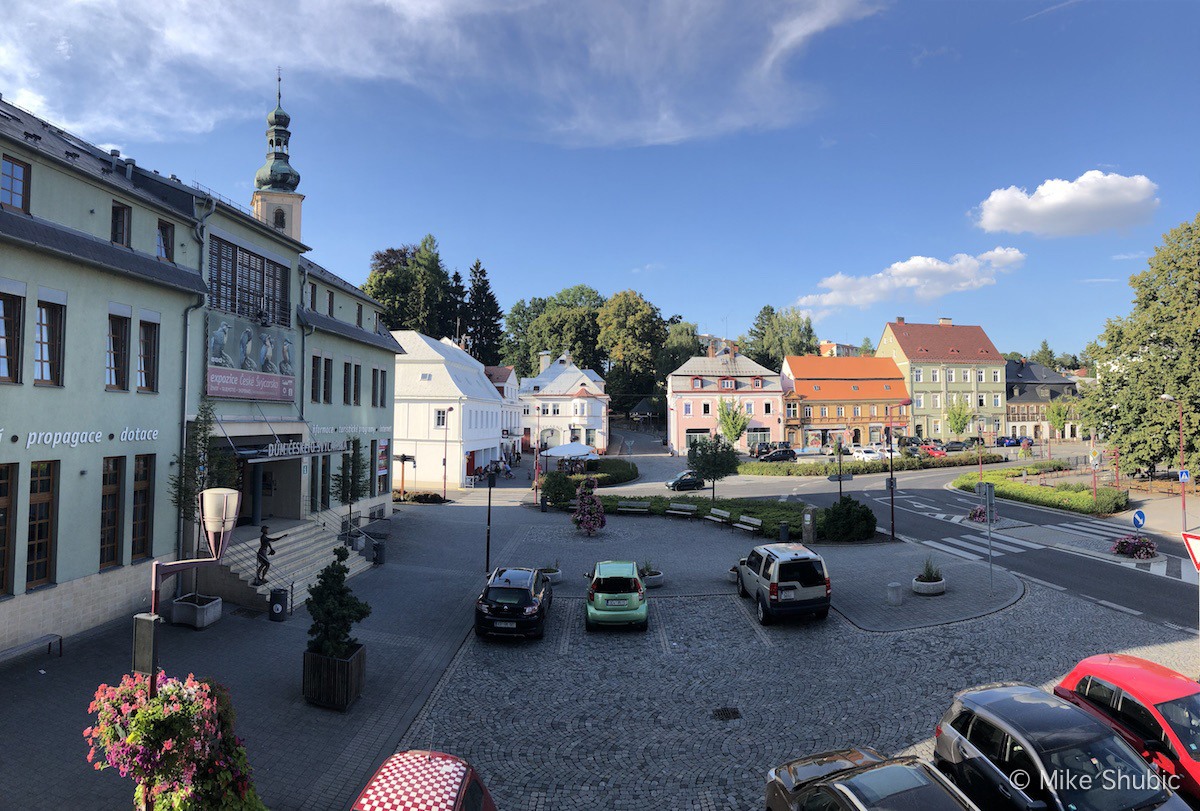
[
  {"x": 1003, "y": 547},
  {"x": 752, "y": 621},
  {"x": 1120, "y": 608},
  {"x": 1095, "y": 528},
  {"x": 980, "y": 548},
  {"x": 1183, "y": 628},
  {"x": 953, "y": 550},
  {"x": 1041, "y": 582},
  {"x": 921, "y": 506},
  {"x": 1078, "y": 533}
]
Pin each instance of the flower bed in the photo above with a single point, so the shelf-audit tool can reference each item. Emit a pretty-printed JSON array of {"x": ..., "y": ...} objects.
[
  {"x": 1133, "y": 546},
  {"x": 855, "y": 466}
]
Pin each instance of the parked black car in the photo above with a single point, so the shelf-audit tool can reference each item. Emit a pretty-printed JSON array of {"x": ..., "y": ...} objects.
[
  {"x": 514, "y": 602},
  {"x": 759, "y": 448},
  {"x": 780, "y": 455},
  {"x": 954, "y": 445},
  {"x": 687, "y": 480}
]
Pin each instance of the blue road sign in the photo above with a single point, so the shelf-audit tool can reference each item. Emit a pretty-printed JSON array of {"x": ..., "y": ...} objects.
[
  {"x": 1185, "y": 476},
  {"x": 1139, "y": 519}
]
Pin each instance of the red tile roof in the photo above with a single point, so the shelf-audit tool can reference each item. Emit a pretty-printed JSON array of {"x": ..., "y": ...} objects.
[
  {"x": 498, "y": 374},
  {"x": 945, "y": 342},
  {"x": 846, "y": 378}
]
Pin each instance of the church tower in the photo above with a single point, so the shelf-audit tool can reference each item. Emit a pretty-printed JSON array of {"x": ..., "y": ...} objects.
[{"x": 275, "y": 201}]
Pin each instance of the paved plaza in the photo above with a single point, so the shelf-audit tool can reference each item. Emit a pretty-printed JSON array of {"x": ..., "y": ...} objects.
[{"x": 615, "y": 719}]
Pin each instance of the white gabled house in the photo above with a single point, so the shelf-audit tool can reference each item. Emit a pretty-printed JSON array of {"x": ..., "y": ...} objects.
[
  {"x": 562, "y": 404},
  {"x": 504, "y": 378},
  {"x": 446, "y": 409}
]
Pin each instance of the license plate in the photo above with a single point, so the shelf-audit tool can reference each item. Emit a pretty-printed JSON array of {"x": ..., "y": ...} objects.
[
  {"x": 503, "y": 624},
  {"x": 787, "y": 594},
  {"x": 616, "y": 602}
]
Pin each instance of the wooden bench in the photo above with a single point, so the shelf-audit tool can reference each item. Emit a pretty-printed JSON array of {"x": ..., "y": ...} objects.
[
  {"x": 748, "y": 524},
  {"x": 720, "y": 516},
  {"x": 633, "y": 507},
  {"x": 46, "y": 639},
  {"x": 685, "y": 510}
]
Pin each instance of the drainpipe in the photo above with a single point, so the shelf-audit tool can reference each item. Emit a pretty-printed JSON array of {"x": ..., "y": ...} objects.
[
  {"x": 200, "y": 234},
  {"x": 302, "y": 360}
]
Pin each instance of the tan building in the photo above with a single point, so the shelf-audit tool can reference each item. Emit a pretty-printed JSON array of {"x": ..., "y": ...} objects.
[{"x": 855, "y": 399}]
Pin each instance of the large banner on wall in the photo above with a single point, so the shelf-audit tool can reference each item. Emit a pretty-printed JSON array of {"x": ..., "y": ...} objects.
[
  {"x": 247, "y": 361},
  {"x": 384, "y": 460}
]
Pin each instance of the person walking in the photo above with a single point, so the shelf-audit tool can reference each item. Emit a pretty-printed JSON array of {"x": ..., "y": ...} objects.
[{"x": 264, "y": 549}]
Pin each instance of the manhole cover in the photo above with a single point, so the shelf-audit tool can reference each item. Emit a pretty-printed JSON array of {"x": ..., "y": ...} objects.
[
  {"x": 248, "y": 613},
  {"x": 726, "y": 713}
]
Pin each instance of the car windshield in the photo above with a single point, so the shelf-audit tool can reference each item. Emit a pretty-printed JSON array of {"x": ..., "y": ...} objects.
[
  {"x": 1102, "y": 775},
  {"x": 507, "y": 596},
  {"x": 805, "y": 572},
  {"x": 616, "y": 585},
  {"x": 900, "y": 788},
  {"x": 1183, "y": 714}
]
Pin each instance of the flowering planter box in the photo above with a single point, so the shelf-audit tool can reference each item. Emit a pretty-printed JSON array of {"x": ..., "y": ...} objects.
[
  {"x": 196, "y": 610},
  {"x": 332, "y": 682}
]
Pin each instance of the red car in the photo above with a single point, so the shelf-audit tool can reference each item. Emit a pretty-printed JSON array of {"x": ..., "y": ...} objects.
[
  {"x": 1155, "y": 709},
  {"x": 931, "y": 450},
  {"x": 427, "y": 780}
]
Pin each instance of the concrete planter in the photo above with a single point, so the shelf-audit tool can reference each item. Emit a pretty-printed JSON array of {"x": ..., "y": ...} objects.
[
  {"x": 928, "y": 589},
  {"x": 653, "y": 579},
  {"x": 732, "y": 574},
  {"x": 555, "y": 575},
  {"x": 334, "y": 683},
  {"x": 196, "y": 610}
]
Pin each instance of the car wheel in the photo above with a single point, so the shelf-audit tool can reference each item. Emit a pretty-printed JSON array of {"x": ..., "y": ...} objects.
[
  {"x": 480, "y": 632},
  {"x": 764, "y": 616},
  {"x": 822, "y": 614},
  {"x": 742, "y": 588},
  {"x": 644, "y": 626},
  {"x": 589, "y": 626}
]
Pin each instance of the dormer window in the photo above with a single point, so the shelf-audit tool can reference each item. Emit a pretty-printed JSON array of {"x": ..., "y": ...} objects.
[
  {"x": 697, "y": 382},
  {"x": 854, "y": 388},
  {"x": 816, "y": 388},
  {"x": 887, "y": 386},
  {"x": 758, "y": 382},
  {"x": 727, "y": 383}
]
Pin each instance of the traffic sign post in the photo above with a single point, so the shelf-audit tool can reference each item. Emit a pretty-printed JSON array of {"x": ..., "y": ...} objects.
[
  {"x": 1185, "y": 476},
  {"x": 987, "y": 493},
  {"x": 1192, "y": 542},
  {"x": 1139, "y": 521}
]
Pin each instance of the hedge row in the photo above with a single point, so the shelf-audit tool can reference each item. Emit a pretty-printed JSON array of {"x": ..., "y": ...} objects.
[
  {"x": 606, "y": 472},
  {"x": 1108, "y": 500},
  {"x": 855, "y": 466}
]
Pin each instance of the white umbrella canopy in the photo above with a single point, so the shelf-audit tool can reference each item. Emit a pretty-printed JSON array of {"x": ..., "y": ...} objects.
[{"x": 572, "y": 450}]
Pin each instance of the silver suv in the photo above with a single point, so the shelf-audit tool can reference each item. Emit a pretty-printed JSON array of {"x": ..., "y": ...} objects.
[{"x": 785, "y": 579}]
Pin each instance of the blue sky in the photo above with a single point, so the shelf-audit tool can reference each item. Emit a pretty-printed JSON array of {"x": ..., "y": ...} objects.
[{"x": 1008, "y": 164}]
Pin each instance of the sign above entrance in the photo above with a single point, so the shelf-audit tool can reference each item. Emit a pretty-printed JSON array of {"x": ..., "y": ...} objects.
[{"x": 293, "y": 450}]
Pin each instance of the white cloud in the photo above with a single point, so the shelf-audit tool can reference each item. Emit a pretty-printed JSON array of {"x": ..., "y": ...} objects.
[
  {"x": 649, "y": 267},
  {"x": 583, "y": 73},
  {"x": 924, "y": 277},
  {"x": 1091, "y": 203},
  {"x": 1121, "y": 257},
  {"x": 1099, "y": 281}
]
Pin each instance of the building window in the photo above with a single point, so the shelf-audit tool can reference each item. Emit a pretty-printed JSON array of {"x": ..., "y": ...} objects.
[
  {"x": 808, "y": 412},
  {"x": 48, "y": 343},
  {"x": 919, "y": 401},
  {"x": 937, "y": 401},
  {"x": 917, "y": 373},
  {"x": 247, "y": 284},
  {"x": 116, "y": 377},
  {"x": 14, "y": 184},
  {"x": 696, "y": 382},
  {"x": 43, "y": 529},
  {"x": 875, "y": 410},
  {"x": 706, "y": 409},
  {"x": 824, "y": 411},
  {"x": 995, "y": 375},
  {"x": 439, "y": 418},
  {"x": 346, "y": 383},
  {"x": 280, "y": 219},
  {"x": 545, "y": 409},
  {"x": 8, "y": 480},
  {"x": 727, "y": 384},
  {"x": 937, "y": 426},
  {"x": 790, "y": 410},
  {"x": 749, "y": 409},
  {"x": 995, "y": 401},
  {"x": 110, "y": 510},
  {"x": 933, "y": 375},
  {"x": 143, "y": 505},
  {"x": 312, "y": 296},
  {"x": 358, "y": 314},
  {"x": 329, "y": 302},
  {"x": 687, "y": 409},
  {"x": 147, "y": 356},
  {"x": 981, "y": 401},
  {"x": 166, "y": 241},
  {"x": 357, "y": 384},
  {"x": 316, "y": 379},
  {"x": 949, "y": 375},
  {"x": 767, "y": 407},
  {"x": 979, "y": 375},
  {"x": 375, "y": 398},
  {"x": 121, "y": 217},
  {"x": 327, "y": 395},
  {"x": 858, "y": 411},
  {"x": 554, "y": 409},
  {"x": 526, "y": 411},
  {"x": 384, "y": 394},
  {"x": 758, "y": 382},
  {"x": 11, "y": 308}
]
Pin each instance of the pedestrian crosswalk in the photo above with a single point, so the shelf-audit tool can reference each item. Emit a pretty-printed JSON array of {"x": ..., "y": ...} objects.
[
  {"x": 1093, "y": 529},
  {"x": 974, "y": 546}
]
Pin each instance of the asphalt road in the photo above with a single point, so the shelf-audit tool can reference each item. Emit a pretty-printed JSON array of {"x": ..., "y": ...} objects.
[{"x": 922, "y": 496}]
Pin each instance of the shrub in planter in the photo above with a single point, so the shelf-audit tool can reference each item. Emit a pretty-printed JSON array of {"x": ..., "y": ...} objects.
[
  {"x": 847, "y": 520},
  {"x": 589, "y": 512},
  {"x": 930, "y": 573},
  {"x": 418, "y": 498},
  {"x": 929, "y": 582},
  {"x": 557, "y": 488},
  {"x": 335, "y": 663},
  {"x": 978, "y": 515},
  {"x": 1132, "y": 546}
]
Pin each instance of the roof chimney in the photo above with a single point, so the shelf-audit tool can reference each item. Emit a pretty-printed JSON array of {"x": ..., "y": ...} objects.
[
  {"x": 712, "y": 350},
  {"x": 129, "y": 164},
  {"x": 945, "y": 322},
  {"x": 899, "y": 319},
  {"x": 543, "y": 361},
  {"x": 114, "y": 156},
  {"x": 733, "y": 350}
]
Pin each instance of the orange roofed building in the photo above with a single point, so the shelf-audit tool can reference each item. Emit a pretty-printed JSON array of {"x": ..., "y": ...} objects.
[{"x": 854, "y": 398}]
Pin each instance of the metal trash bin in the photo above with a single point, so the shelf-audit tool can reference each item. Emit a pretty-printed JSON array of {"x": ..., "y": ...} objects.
[
  {"x": 279, "y": 604},
  {"x": 378, "y": 549}
]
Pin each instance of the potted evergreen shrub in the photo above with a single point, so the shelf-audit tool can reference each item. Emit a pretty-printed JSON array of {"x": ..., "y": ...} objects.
[
  {"x": 335, "y": 664},
  {"x": 929, "y": 582}
]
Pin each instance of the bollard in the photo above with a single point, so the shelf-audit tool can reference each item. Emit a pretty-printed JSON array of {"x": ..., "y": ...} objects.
[
  {"x": 543, "y": 503},
  {"x": 783, "y": 532},
  {"x": 895, "y": 594}
]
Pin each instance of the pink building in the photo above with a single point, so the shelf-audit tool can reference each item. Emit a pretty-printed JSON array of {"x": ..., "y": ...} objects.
[{"x": 696, "y": 387}]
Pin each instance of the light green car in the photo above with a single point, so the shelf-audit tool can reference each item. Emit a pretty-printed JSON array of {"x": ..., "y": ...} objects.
[{"x": 616, "y": 596}]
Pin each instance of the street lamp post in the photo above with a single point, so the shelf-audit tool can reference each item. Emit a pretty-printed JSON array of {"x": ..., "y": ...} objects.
[
  {"x": 445, "y": 444},
  {"x": 1182, "y": 465},
  {"x": 892, "y": 468},
  {"x": 537, "y": 454}
]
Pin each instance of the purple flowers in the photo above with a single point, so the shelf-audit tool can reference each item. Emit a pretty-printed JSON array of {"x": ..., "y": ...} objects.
[
  {"x": 1132, "y": 546},
  {"x": 589, "y": 512}
]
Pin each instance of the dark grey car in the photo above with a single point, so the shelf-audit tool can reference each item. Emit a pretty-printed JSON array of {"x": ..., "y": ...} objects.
[{"x": 1012, "y": 746}]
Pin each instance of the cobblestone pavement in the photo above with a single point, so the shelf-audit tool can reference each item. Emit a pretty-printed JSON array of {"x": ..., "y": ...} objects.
[{"x": 625, "y": 720}]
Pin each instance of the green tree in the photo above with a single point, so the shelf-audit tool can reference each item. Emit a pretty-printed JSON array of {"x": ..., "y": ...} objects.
[
  {"x": 352, "y": 482},
  {"x": 390, "y": 282},
  {"x": 681, "y": 343},
  {"x": 1015, "y": 357},
  {"x": 483, "y": 317},
  {"x": 1155, "y": 350},
  {"x": 759, "y": 343},
  {"x": 414, "y": 287},
  {"x": 867, "y": 349},
  {"x": 203, "y": 464},
  {"x": 1044, "y": 355},
  {"x": 958, "y": 415},
  {"x": 518, "y": 352},
  {"x": 334, "y": 609},
  {"x": 732, "y": 420},
  {"x": 578, "y": 296},
  {"x": 713, "y": 458},
  {"x": 776, "y": 334},
  {"x": 456, "y": 307},
  {"x": 567, "y": 329},
  {"x": 631, "y": 333},
  {"x": 1058, "y": 413}
]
